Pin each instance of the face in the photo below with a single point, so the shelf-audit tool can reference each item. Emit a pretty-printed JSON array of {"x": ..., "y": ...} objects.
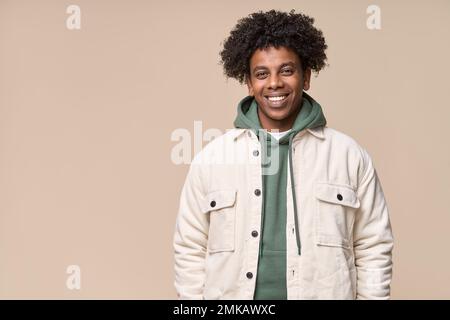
[{"x": 277, "y": 82}]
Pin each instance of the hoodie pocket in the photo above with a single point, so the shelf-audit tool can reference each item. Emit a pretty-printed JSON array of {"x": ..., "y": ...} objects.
[
  {"x": 221, "y": 207},
  {"x": 335, "y": 209}
]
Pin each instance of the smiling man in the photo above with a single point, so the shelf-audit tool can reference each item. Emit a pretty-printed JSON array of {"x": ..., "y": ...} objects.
[
  {"x": 304, "y": 215},
  {"x": 278, "y": 96}
]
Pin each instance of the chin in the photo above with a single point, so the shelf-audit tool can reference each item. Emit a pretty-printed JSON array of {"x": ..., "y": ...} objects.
[
  {"x": 280, "y": 114},
  {"x": 277, "y": 116}
]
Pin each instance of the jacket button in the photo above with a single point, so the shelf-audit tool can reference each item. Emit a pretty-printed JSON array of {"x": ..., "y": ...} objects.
[
  {"x": 258, "y": 192},
  {"x": 256, "y": 153},
  {"x": 339, "y": 196},
  {"x": 255, "y": 233},
  {"x": 213, "y": 204},
  {"x": 249, "y": 275}
]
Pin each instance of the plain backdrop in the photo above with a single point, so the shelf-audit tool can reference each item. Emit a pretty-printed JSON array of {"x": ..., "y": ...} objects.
[{"x": 86, "y": 117}]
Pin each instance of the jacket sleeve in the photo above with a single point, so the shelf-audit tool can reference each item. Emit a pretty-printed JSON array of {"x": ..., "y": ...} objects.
[
  {"x": 372, "y": 238},
  {"x": 190, "y": 238}
]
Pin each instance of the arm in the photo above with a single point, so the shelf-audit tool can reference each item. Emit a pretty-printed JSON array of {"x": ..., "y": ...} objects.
[
  {"x": 190, "y": 238},
  {"x": 373, "y": 239}
]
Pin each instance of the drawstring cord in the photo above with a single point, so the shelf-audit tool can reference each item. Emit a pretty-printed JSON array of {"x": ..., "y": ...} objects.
[
  {"x": 294, "y": 199},
  {"x": 263, "y": 159}
]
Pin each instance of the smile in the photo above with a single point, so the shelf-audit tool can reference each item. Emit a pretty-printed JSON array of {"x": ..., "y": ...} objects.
[{"x": 277, "y": 100}]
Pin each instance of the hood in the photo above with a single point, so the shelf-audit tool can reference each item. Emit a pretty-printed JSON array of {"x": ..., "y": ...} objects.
[{"x": 310, "y": 116}]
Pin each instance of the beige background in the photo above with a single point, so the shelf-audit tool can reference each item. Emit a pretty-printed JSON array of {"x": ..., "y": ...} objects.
[{"x": 86, "y": 118}]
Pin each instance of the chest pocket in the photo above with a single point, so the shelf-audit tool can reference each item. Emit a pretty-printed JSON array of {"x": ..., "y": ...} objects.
[
  {"x": 221, "y": 207},
  {"x": 335, "y": 210}
]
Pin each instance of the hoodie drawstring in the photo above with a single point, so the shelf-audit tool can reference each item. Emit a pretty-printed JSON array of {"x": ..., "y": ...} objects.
[
  {"x": 291, "y": 170},
  {"x": 263, "y": 157}
]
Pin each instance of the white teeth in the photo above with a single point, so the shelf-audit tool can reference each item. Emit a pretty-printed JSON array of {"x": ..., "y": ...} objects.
[{"x": 279, "y": 98}]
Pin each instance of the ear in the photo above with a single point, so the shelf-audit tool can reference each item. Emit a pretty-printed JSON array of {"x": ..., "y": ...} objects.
[
  {"x": 249, "y": 86},
  {"x": 306, "y": 78}
]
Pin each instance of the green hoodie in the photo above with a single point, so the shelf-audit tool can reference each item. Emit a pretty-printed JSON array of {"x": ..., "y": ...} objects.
[{"x": 271, "y": 274}]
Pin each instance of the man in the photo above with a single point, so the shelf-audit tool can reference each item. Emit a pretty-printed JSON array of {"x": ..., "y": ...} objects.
[{"x": 299, "y": 213}]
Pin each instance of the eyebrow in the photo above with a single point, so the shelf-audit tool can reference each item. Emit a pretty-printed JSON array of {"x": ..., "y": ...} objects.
[{"x": 290, "y": 63}]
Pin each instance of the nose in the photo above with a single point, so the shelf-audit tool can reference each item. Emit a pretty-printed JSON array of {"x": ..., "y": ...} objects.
[{"x": 275, "y": 81}]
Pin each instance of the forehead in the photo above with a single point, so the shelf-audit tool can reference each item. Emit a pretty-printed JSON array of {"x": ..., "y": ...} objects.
[{"x": 272, "y": 56}]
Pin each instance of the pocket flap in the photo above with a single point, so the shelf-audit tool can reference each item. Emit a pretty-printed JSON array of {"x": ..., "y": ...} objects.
[
  {"x": 337, "y": 194},
  {"x": 218, "y": 200}
]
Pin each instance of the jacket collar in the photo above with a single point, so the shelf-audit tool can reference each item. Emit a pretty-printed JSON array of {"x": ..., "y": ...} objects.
[{"x": 316, "y": 132}]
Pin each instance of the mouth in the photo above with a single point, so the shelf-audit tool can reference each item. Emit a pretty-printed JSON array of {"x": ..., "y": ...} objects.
[{"x": 278, "y": 100}]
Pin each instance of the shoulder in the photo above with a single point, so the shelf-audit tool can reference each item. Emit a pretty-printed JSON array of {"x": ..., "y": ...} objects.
[
  {"x": 336, "y": 136},
  {"x": 351, "y": 147},
  {"x": 342, "y": 139}
]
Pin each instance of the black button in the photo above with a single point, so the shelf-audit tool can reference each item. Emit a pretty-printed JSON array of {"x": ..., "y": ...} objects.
[
  {"x": 255, "y": 233},
  {"x": 258, "y": 192},
  {"x": 256, "y": 153},
  {"x": 213, "y": 203},
  {"x": 339, "y": 196},
  {"x": 249, "y": 275}
]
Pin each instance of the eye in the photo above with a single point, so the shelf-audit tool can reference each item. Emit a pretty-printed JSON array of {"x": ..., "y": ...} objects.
[
  {"x": 287, "y": 71},
  {"x": 261, "y": 74}
]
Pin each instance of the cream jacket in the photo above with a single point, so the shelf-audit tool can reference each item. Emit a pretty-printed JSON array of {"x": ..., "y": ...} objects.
[{"x": 344, "y": 224}]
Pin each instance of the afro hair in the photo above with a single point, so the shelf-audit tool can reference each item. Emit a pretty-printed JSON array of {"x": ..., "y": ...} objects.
[{"x": 273, "y": 28}]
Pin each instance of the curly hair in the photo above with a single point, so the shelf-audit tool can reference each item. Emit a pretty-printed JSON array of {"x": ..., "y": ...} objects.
[{"x": 276, "y": 29}]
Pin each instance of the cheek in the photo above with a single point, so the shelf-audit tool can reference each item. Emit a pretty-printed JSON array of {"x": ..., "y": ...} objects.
[
  {"x": 294, "y": 95},
  {"x": 258, "y": 88},
  {"x": 295, "y": 99},
  {"x": 297, "y": 83}
]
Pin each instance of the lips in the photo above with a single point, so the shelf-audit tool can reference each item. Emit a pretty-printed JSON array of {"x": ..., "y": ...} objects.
[{"x": 277, "y": 99}]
